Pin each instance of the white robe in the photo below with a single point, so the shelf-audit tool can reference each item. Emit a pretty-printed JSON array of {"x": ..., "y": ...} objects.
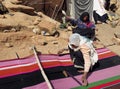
[
  {"x": 88, "y": 42},
  {"x": 98, "y": 6},
  {"x": 93, "y": 52}
]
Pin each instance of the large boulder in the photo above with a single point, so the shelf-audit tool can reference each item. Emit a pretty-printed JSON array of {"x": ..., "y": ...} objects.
[
  {"x": 45, "y": 6},
  {"x": 16, "y": 19},
  {"x": 12, "y": 6},
  {"x": 48, "y": 27}
]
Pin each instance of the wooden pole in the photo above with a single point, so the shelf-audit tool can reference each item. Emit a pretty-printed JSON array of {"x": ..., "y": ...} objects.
[
  {"x": 54, "y": 11},
  {"x": 59, "y": 9},
  {"x": 44, "y": 8},
  {"x": 41, "y": 68}
]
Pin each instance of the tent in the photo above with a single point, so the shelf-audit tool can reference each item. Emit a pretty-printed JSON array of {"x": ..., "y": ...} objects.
[
  {"x": 76, "y": 7},
  {"x": 53, "y": 8}
]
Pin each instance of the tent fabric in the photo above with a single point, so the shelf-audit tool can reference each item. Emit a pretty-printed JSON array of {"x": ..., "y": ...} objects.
[
  {"x": 83, "y": 6},
  {"x": 24, "y": 73}
]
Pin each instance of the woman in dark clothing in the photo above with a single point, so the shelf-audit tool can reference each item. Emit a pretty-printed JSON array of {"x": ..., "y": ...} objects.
[
  {"x": 85, "y": 17},
  {"x": 97, "y": 17},
  {"x": 83, "y": 25},
  {"x": 77, "y": 58},
  {"x": 83, "y": 22}
]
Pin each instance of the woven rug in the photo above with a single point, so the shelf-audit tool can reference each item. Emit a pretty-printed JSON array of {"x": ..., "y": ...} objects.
[
  {"x": 24, "y": 73},
  {"x": 113, "y": 86}
]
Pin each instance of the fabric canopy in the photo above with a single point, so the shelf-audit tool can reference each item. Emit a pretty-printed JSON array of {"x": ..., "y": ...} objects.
[{"x": 83, "y": 6}]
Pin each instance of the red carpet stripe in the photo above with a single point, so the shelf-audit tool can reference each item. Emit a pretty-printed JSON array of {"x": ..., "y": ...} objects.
[
  {"x": 13, "y": 67},
  {"x": 106, "y": 84},
  {"x": 10, "y": 71},
  {"x": 18, "y": 70},
  {"x": 106, "y": 55}
]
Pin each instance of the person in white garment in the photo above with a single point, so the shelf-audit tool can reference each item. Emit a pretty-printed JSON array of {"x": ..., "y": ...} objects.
[
  {"x": 82, "y": 53},
  {"x": 99, "y": 12}
]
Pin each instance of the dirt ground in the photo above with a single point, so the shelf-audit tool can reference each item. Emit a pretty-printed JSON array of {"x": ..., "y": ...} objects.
[
  {"x": 21, "y": 42},
  {"x": 106, "y": 35},
  {"x": 17, "y": 36}
]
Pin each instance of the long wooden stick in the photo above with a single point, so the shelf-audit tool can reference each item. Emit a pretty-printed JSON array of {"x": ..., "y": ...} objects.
[
  {"x": 54, "y": 11},
  {"x": 41, "y": 68},
  {"x": 59, "y": 9}
]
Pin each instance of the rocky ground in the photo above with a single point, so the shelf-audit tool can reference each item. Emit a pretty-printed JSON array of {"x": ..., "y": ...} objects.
[
  {"x": 20, "y": 42},
  {"x": 20, "y": 31}
]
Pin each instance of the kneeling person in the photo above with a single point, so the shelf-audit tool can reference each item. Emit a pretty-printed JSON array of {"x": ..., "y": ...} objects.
[{"x": 82, "y": 53}]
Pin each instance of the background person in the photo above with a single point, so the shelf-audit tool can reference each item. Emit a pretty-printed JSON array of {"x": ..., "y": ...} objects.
[
  {"x": 84, "y": 26},
  {"x": 99, "y": 12}
]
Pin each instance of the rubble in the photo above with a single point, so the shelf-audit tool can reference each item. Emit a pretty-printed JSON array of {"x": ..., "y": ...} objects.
[
  {"x": 20, "y": 30},
  {"x": 8, "y": 45}
]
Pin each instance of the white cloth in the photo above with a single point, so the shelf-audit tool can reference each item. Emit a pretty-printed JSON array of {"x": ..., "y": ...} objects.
[
  {"x": 76, "y": 39},
  {"x": 93, "y": 53},
  {"x": 98, "y": 6}
]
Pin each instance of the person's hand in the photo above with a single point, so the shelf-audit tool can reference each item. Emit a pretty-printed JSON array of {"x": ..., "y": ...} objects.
[{"x": 84, "y": 80}]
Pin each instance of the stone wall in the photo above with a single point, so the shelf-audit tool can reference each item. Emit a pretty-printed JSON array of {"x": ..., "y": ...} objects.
[{"x": 45, "y": 6}]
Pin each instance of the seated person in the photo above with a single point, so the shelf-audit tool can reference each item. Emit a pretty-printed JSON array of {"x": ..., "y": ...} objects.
[
  {"x": 83, "y": 22},
  {"x": 83, "y": 25},
  {"x": 99, "y": 12}
]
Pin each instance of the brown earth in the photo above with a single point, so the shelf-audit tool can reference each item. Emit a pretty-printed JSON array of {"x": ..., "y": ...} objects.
[
  {"x": 17, "y": 36},
  {"x": 22, "y": 41}
]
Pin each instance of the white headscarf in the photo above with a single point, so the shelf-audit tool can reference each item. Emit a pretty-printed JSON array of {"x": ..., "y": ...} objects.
[
  {"x": 98, "y": 6},
  {"x": 78, "y": 40},
  {"x": 74, "y": 39}
]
